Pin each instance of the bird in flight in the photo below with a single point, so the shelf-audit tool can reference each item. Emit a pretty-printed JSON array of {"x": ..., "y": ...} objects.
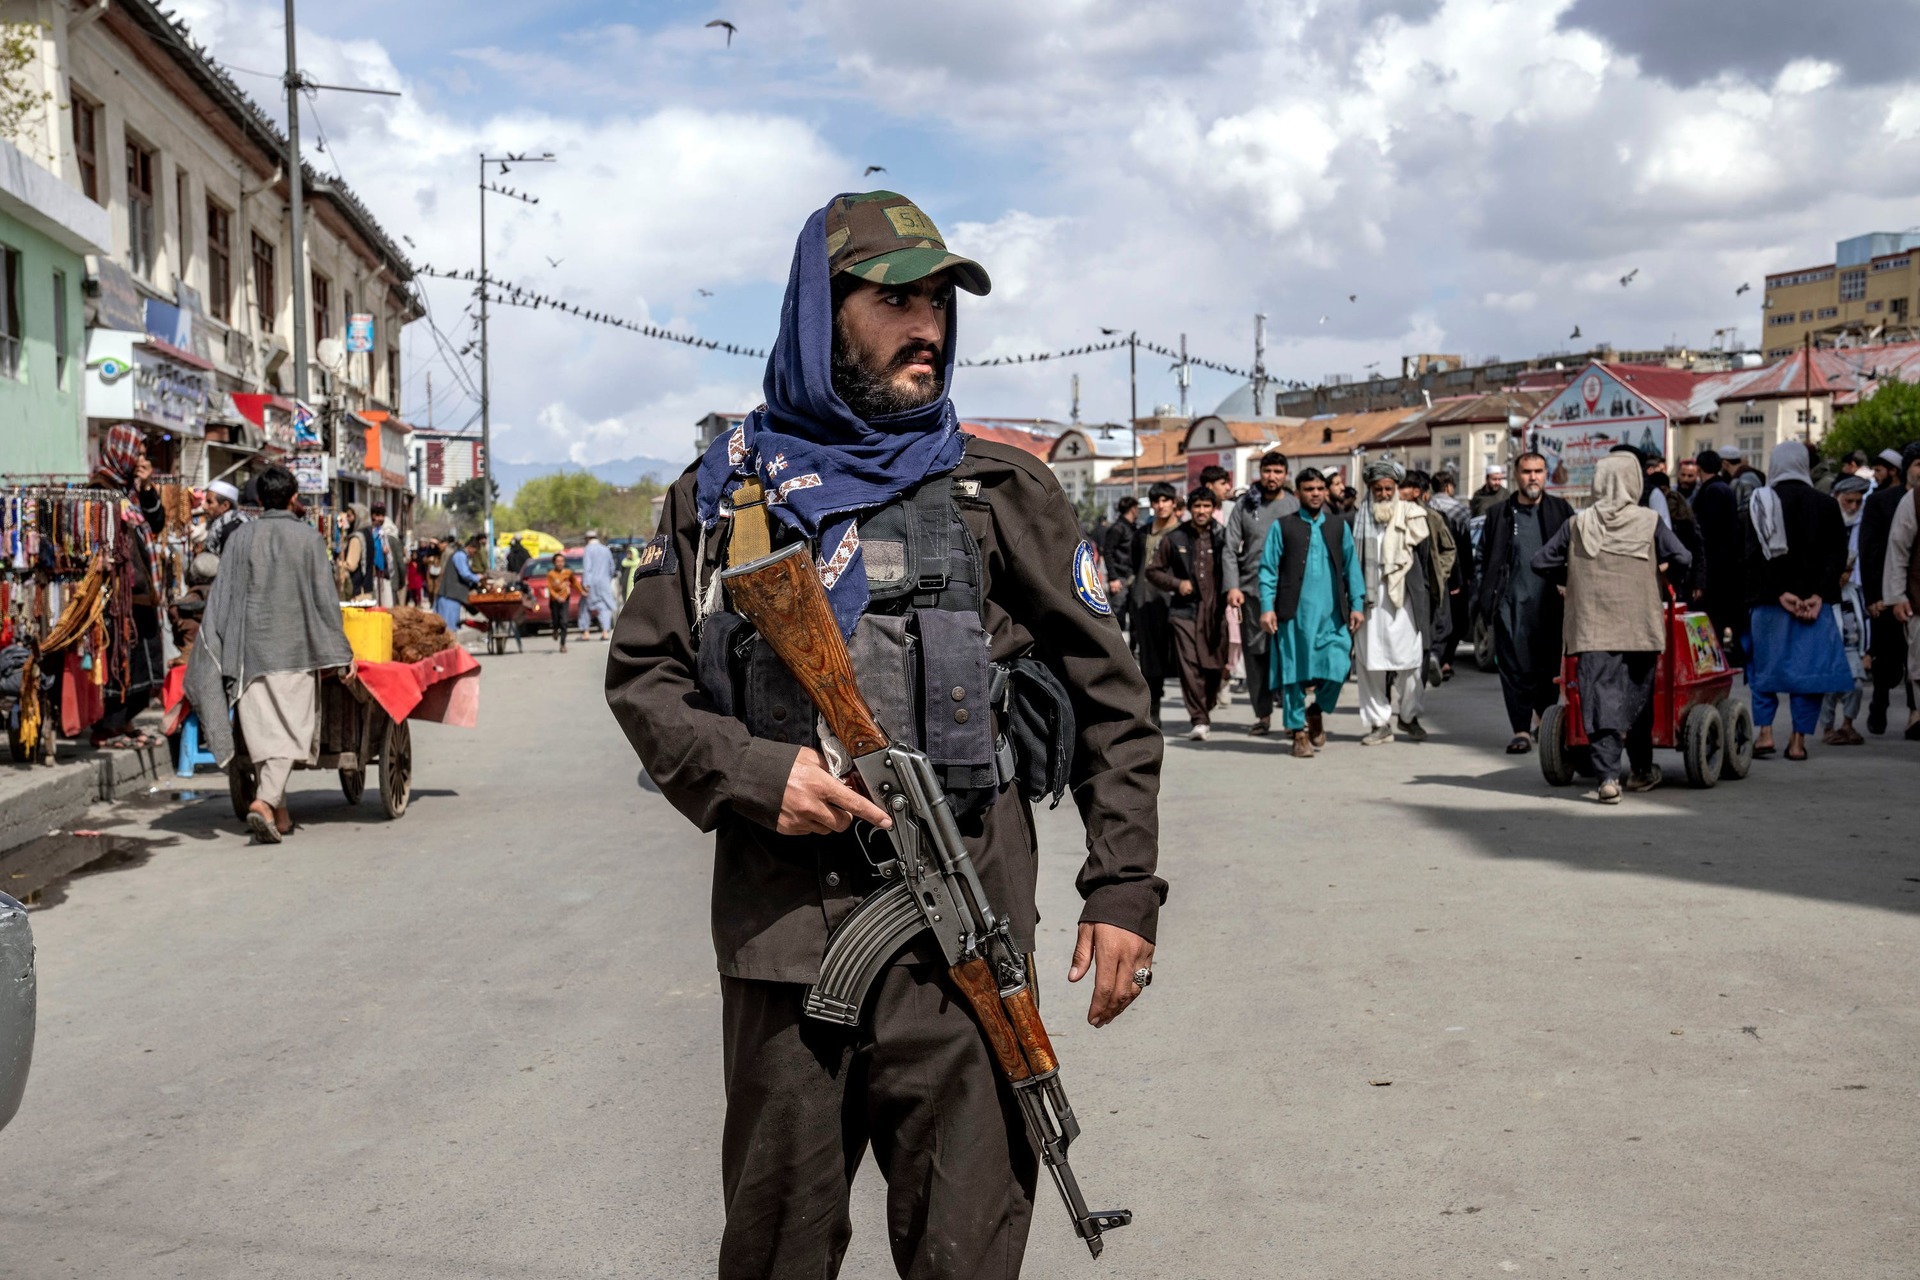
[
  {"x": 1108, "y": 332},
  {"x": 730, "y": 29},
  {"x": 1627, "y": 279},
  {"x": 1574, "y": 334},
  {"x": 1323, "y": 319},
  {"x": 410, "y": 243},
  {"x": 1353, "y": 297},
  {"x": 873, "y": 169},
  {"x": 705, "y": 293},
  {"x": 553, "y": 262},
  {"x": 1742, "y": 289}
]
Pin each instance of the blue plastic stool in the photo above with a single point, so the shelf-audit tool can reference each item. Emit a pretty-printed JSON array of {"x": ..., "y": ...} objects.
[{"x": 191, "y": 752}]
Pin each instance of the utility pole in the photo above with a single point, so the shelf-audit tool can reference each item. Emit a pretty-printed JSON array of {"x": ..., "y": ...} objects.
[
  {"x": 296, "y": 201},
  {"x": 1133, "y": 403},
  {"x": 486, "y": 284},
  {"x": 1259, "y": 363},
  {"x": 1806, "y": 388},
  {"x": 1185, "y": 376},
  {"x": 1076, "y": 399}
]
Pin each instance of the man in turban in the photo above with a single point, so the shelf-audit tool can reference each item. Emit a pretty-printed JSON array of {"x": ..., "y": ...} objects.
[{"x": 1403, "y": 586}]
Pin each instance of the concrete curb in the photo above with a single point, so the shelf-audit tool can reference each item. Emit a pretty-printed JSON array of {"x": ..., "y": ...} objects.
[{"x": 36, "y": 799}]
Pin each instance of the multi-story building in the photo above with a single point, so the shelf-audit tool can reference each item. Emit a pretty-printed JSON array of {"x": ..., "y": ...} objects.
[
  {"x": 441, "y": 460},
  {"x": 1871, "y": 284},
  {"x": 196, "y": 293},
  {"x": 46, "y": 228}
]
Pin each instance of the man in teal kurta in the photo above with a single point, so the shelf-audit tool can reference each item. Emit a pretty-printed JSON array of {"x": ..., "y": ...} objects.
[{"x": 1310, "y": 609}]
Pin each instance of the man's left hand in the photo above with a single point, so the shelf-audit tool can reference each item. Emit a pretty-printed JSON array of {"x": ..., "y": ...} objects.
[{"x": 1112, "y": 954}]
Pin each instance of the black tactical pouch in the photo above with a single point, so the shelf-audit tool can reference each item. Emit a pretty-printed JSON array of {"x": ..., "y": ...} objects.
[{"x": 1040, "y": 722}]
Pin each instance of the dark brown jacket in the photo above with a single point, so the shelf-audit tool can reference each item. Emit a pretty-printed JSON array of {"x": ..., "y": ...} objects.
[{"x": 776, "y": 897}]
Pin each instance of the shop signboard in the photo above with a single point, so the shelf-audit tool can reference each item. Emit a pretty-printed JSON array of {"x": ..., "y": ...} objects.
[
  {"x": 1586, "y": 421},
  {"x": 120, "y": 304},
  {"x": 306, "y": 424},
  {"x": 311, "y": 470},
  {"x": 170, "y": 394},
  {"x": 350, "y": 446},
  {"x": 359, "y": 333}
]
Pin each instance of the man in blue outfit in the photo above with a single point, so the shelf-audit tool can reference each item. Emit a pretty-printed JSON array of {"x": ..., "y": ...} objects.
[{"x": 1312, "y": 600}]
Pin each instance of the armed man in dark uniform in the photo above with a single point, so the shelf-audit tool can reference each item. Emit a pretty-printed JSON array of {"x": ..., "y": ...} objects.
[{"x": 979, "y": 628}]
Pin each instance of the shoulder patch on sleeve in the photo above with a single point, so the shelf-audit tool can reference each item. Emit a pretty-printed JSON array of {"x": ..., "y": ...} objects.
[
  {"x": 657, "y": 556},
  {"x": 1086, "y": 581}
]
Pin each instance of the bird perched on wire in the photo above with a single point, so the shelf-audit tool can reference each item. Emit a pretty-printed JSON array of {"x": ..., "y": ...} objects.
[
  {"x": 1742, "y": 289},
  {"x": 730, "y": 29},
  {"x": 873, "y": 169},
  {"x": 1627, "y": 279}
]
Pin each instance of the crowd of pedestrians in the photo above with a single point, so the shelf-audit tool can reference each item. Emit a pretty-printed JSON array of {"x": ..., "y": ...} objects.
[{"x": 1807, "y": 572}]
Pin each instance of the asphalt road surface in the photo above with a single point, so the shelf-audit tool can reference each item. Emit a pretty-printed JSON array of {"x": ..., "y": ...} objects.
[{"x": 1417, "y": 1015}]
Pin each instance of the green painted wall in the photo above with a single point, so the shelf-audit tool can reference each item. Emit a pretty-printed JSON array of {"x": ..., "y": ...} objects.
[{"x": 42, "y": 423}]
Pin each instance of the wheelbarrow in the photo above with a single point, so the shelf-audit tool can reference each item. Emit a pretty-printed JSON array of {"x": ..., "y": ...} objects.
[
  {"x": 1693, "y": 710},
  {"x": 503, "y": 611}
]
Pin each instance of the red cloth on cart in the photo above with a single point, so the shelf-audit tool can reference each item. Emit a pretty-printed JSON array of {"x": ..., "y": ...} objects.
[{"x": 444, "y": 688}]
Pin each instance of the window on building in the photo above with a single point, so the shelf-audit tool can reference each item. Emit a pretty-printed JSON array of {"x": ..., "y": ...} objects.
[
  {"x": 62, "y": 346},
  {"x": 1750, "y": 445},
  {"x": 140, "y": 225},
  {"x": 322, "y": 308},
  {"x": 1828, "y": 313},
  {"x": 1752, "y": 420},
  {"x": 1898, "y": 306},
  {"x": 86, "y": 144},
  {"x": 184, "y": 230},
  {"x": 1853, "y": 286},
  {"x": 1876, "y": 306},
  {"x": 1805, "y": 417},
  {"x": 1806, "y": 315},
  {"x": 263, "y": 282},
  {"x": 219, "y": 263},
  {"x": 11, "y": 365}
]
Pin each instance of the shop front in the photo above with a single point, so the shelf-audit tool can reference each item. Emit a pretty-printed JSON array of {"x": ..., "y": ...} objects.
[
  {"x": 1596, "y": 413},
  {"x": 164, "y": 390}
]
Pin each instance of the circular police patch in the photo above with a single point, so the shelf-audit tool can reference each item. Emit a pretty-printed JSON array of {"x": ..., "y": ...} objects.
[{"x": 1086, "y": 581}]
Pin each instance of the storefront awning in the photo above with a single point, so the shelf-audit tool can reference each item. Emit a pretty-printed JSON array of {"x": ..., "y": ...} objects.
[
  {"x": 254, "y": 407},
  {"x": 177, "y": 354}
]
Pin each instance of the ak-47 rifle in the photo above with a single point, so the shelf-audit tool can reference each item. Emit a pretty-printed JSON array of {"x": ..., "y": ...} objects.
[{"x": 934, "y": 885}]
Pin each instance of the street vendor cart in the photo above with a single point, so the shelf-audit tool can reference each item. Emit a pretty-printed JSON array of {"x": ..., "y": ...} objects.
[
  {"x": 503, "y": 611},
  {"x": 1693, "y": 709},
  {"x": 364, "y": 724}
]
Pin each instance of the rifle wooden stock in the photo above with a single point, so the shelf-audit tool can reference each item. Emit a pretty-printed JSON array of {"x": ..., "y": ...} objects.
[{"x": 782, "y": 597}]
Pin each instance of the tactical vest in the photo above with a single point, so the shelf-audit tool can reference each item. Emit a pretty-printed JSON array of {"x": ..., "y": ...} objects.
[{"x": 923, "y": 657}]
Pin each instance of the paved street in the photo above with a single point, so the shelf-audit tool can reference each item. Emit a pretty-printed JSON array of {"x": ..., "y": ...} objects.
[{"x": 1675, "y": 1039}]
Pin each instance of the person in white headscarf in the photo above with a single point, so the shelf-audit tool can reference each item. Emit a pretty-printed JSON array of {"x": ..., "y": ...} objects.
[
  {"x": 1797, "y": 554},
  {"x": 222, "y": 507},
  {"x": 1837, "y": 710},
  {"x": 1610, "y": 557},
  {"x": 1403, "y": 586}
]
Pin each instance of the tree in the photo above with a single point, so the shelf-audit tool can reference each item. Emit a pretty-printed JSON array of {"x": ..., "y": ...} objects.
[
  {"x": 1888, "y": 419},
  {"x": 19, "y": 97},
  {"x": 559, "y": 503},
  {"x": 467, "y": 500}
]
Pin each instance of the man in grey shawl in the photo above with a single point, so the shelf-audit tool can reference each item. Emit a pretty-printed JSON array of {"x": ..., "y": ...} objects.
[
  {"x": 271, "y": 626},
  {"x": 1610, "y": 557}
]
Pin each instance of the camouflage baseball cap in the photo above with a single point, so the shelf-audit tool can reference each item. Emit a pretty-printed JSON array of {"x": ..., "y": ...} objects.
[{"x": 882, "y": 236}]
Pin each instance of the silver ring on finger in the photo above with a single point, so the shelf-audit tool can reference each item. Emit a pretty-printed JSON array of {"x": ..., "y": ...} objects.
[{"x": 1143, "y": 977}]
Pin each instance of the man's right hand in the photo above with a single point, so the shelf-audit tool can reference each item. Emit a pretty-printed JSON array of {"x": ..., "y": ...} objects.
[
  {"x": 1270, "y": 622},
  {"x": 1186, "y": 587},
  {"x": 1903, "y": 611},
  {"x": 816, "y": 802},
  {"x": 1236, "y": 598}
]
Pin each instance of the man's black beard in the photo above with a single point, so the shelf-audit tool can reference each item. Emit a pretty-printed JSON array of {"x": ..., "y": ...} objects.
[{"x": 872, "y": 393}]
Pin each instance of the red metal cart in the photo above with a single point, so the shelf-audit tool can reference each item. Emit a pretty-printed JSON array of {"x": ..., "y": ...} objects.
[{"x": 1693, "y": 710}]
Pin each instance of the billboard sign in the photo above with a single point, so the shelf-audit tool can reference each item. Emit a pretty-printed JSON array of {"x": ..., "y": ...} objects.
[
  {"x": 359, "y": 333},
  {"x": 1585, "y": 422}
]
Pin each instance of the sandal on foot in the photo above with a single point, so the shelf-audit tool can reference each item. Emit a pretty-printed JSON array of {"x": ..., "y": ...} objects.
[
  {"x": 1521, "y": 744},
  {"x": 261, "y": 825}
]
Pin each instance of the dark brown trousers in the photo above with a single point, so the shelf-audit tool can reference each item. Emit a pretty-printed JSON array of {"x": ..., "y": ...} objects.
[
  {"x": 915, "y": 1080},
  {"x": 1199, "y": 683}
]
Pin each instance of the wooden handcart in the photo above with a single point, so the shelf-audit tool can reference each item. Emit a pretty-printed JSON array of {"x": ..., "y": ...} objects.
[
  {"x": 503, "y": 611},
  {"x": 364, "y": 725}
]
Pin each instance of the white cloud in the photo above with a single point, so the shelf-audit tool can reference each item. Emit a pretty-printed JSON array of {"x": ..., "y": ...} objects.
[{"x": 1474, "y": 175}]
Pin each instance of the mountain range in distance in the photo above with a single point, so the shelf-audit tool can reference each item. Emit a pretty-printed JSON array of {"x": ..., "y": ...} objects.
[{"x": 620, "y": 471}]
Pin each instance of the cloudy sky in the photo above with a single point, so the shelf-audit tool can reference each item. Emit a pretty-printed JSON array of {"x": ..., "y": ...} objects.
[{"x": 1379, "y": 176}]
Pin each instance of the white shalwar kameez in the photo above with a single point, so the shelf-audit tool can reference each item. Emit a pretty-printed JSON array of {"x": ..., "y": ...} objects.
[{"x": 1389, "y": 643}]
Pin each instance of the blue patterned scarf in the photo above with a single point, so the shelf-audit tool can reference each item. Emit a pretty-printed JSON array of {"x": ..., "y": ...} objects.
[{"x": 820, "y": 465}]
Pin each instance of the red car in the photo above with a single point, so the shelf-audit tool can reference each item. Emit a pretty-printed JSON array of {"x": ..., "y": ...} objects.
[{"x": 534, "y": 575}]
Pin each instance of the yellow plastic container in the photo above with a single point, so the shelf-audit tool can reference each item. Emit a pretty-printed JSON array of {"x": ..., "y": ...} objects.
[{"x": 370, "y": 632}]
